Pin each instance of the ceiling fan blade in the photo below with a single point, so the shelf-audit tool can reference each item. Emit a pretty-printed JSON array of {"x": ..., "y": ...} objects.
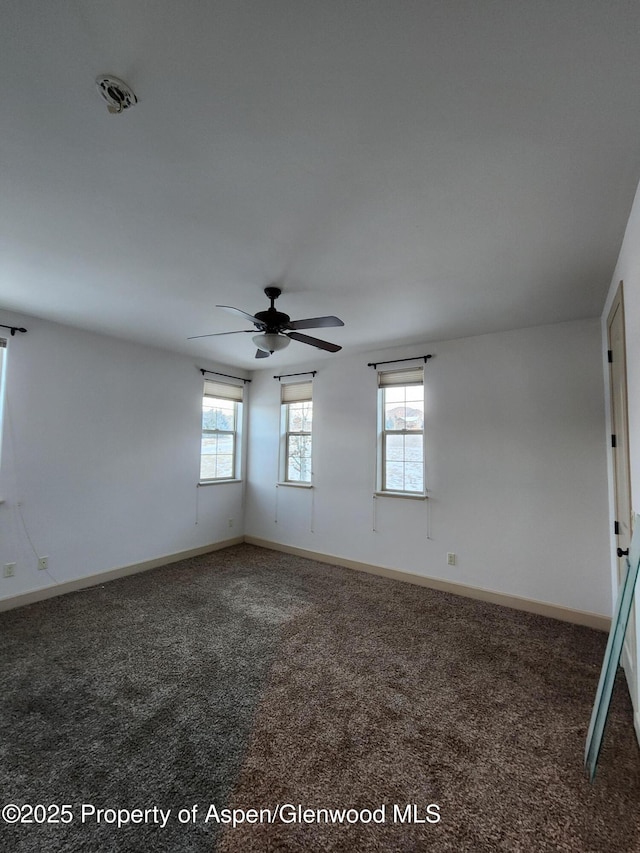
[
  {"x": 260, "y": 353},
  {"x": 315, "y": 342},
  {"x": 244, "y": 314},
  {"x": 215, "y": 334},
  {"x": 315, "y": 323}
]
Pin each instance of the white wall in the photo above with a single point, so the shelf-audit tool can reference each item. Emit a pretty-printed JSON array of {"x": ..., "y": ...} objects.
[
  {"x": 628, "y": 271},
  {"x": 516, "y": 459},
  {"x": 101, "y": 449},
  {"x": 100, "y": 457}
]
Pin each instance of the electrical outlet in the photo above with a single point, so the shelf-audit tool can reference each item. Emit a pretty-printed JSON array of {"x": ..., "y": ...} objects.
[
  {"x": 9, "y": 570},
  {"x": 43, "y": 564},
  {"x": 451, "y": 559},
  {"x": 230, "y": 522}
]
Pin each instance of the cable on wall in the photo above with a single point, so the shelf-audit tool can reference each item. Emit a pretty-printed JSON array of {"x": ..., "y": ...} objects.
[
  {"x": 425, "y": 358},
  {"x": 17, "y": 507},
  {"x": 30, "y": 541},
  {"x": 228, "y": 375}
]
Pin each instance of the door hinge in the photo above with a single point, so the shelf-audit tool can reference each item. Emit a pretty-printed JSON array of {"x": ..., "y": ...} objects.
[
  {"x": 610, "y": 356},
  {"x": 613, "y": 441},
  {"x": 616, "y": 527}
]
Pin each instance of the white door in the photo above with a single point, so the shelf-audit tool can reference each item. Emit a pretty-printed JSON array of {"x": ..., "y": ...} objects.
[{"x": 622, "y": 480}]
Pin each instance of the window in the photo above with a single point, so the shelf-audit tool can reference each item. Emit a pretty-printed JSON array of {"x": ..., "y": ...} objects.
[
  {"x": 221, "y": 421},
  {"x": 297, "y": 419},
  {"x": 401, "y": 431}
]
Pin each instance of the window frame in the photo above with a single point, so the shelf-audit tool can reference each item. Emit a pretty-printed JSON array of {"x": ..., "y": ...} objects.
[
  {"x": 229, "y": 394},
  {"x": 4, "y": 346},
  {"x": 393, "y": 379},
  {"x": 291, "y": 394}
]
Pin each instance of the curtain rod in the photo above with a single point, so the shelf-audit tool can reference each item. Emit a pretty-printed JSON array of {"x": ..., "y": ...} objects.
[
  {"x": 304, "y": 373},
  {"x": 396, "y": 360},
  {"x": 228, "y": 375},
  {"x": 14, "y": 329}
]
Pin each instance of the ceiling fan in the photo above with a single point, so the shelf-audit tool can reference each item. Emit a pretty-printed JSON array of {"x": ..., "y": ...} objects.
[{"x": 276, "y": 329}]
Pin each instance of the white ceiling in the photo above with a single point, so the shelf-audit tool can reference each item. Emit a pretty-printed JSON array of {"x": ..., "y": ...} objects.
[{"x": 424, "y": 170}]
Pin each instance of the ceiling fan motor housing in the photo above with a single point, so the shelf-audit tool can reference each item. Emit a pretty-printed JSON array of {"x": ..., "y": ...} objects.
[{"x": 273, "y": 320}]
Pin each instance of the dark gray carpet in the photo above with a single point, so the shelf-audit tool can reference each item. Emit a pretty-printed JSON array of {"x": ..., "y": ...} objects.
[{"x": 248, "y": 678}]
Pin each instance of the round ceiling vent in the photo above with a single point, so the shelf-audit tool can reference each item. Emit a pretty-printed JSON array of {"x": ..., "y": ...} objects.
[{"x": 116, "y": 93}]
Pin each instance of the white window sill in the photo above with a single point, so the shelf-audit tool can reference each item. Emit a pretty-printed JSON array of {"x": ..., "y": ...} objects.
[
  {"x": 407, "y": 495},
  {"x": 296, "y": 485},
  {"x": 217, "y": 482}
]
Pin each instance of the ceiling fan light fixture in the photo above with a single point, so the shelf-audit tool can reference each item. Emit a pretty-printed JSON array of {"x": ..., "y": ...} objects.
[{"x": 269, "y": 342}]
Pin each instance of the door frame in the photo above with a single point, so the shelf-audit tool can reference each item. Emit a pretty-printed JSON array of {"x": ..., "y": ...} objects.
[{"x": 630, "y": 651}]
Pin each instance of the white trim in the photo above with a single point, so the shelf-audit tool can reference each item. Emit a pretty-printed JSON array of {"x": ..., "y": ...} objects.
[
  {"x": 102, "y": 577},
  {"x": 382, "y": 432},
  {"x": 285, "y": 433},
  {"x": 236, "y": 433},
  {"x": 529, "y": 605},
  {"x": 542, "y": 608},
  {"x": 631, "y": 676},
  {"x": 293, "y": 485},
  {"x": 613, "y": 570},
  {"x": 626, "y": 659},
  {"x": 412, "y": 496}
]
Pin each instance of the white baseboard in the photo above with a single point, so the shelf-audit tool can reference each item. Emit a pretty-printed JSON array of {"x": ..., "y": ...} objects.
[
  {"x": 102, "y": 577},
  {"x": 541, "y": 608},
  {"x": 627, "y": 666},
  {"x": 632, "y": 685}
]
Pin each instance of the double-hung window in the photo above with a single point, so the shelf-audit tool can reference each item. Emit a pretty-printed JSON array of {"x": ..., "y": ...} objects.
[
  {"x": 297, "y": 421},
  {"x": 401, "y": 431},
  {"x": 221, "y": 424}
]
